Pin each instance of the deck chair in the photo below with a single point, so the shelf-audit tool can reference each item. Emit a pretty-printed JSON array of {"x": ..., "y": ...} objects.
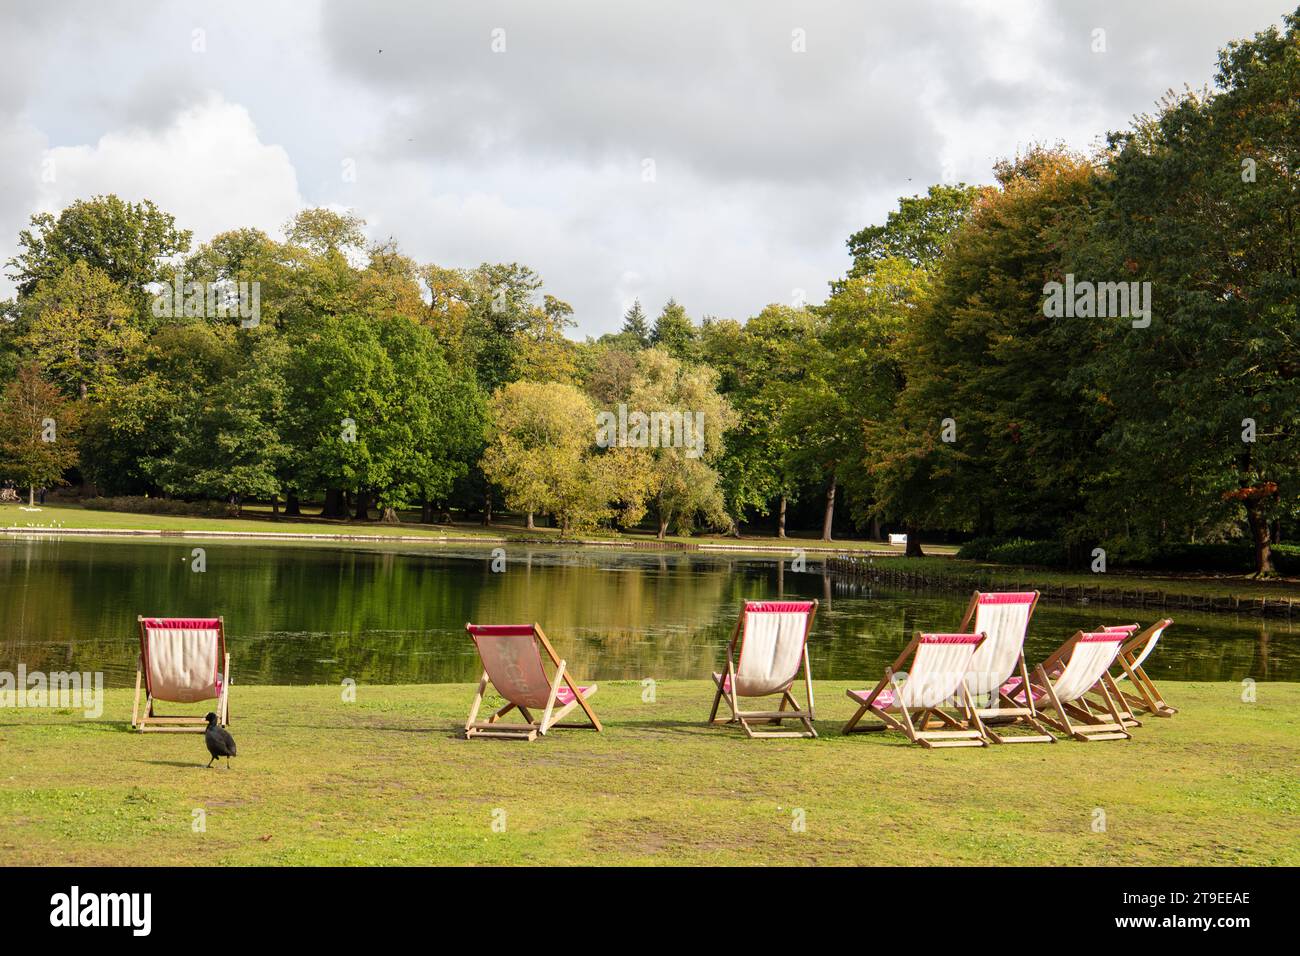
[
  {"x": 769, "y": 646},
  {"x": 935, "y": 683},
  {"x": 1132, "y": 653},
  {"x": 1004, "y": 617},
  {"x": 182, "y": 660},
  {"x": 512, "y": 663},
  {"x": 1061, "y": 683}
]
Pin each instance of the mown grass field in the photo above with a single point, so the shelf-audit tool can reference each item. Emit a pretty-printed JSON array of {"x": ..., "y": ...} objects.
[
  {"x": 385, "y": 780},
  {"x": 258, "y": 519}
]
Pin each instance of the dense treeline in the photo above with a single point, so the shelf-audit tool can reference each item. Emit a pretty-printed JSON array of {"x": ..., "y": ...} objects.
[{"x": 1094, "y": 351}]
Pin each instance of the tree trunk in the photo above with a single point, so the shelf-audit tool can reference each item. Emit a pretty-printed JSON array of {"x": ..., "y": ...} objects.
[
  {"x": 830, "y": 509},
  {"x": 389, "y": 515},
  {"x": 426, "y": 511},
  {"x": 31, "y": 496},
  {"x": 663, "y": 527},
  {"x": 875, "y": 528},
  {"x": 333, "y": 507},
  {"x": 913, "y": 543},
  {"x": 530, "y": 521},
  {"x": 780, "y": 518},
  {"x": 362, "y": 506},
  {"x": 292, "y": 507},
  {"x": 275, "y": 506},
  {"x": 1259, "y": 534},
  {"x": 487, "y": 508}
]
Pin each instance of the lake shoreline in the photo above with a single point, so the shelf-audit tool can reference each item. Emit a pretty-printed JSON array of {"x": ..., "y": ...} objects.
[{"x": 629, "y": 544}]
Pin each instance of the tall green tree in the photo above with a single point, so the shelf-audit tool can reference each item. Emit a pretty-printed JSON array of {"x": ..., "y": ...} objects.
[
  {"x": 674, "y": 332},
  {"x": 1203, "y": 202},
  {"x": 757, "y": 365},
  {"x": 636, "y": 325},
  {"x": 130, "y": 243},
  {"x": 989, "y": 432},
  {"x": 81, "y": 326}
]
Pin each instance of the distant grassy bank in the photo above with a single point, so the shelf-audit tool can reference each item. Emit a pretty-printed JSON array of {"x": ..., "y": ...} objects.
[
  {"x": 386, "y": 780},
  {"x": 1008, "y": 577},
  {"x": 258, "y": 519}
]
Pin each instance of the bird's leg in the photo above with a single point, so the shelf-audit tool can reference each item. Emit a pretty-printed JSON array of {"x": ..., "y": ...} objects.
[{"x": 209, "y": 766}]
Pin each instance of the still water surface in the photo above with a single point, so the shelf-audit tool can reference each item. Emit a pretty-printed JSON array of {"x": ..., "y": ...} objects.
[{"x": 313, "y": 613}]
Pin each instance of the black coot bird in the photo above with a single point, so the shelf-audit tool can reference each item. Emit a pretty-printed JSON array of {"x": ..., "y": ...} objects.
[{"x": 219, "y": 741}]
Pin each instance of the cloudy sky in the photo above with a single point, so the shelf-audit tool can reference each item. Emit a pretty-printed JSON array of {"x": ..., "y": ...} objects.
[{"x": 716, "y": 152}]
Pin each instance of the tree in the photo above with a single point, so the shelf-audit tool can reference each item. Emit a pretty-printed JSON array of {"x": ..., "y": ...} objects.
[
  {"x": 545, "y": 354},
  {"x": 542, "y": 453},
  {"x": 1203, "y": 202},
  {"x": 680, "y": 479},
  {"x": 128, "y": 242},
  {"x": 917, "y": 232},
  {"x": 436, "y": 420},
  {"x": 501, "y": 311},
  {"x": 862, "y": 327},
  {"x": 989, "y": 432},
  {"x": 80, "y": 326},
  {"x": 757, "y": 366},
  {"x": 636, "y": 325},
  {"x": 226, "y": 441},
  {"x": 138, "y": 418},
  {"x": 673, "y": 331},
  {"x": 37, "y": 428}
]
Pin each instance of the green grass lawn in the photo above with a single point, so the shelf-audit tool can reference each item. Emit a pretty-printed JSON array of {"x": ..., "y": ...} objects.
[
  {"x": 1001, "y": 576},
  {"x": 257, "y": 518},
  {"x": 385, "y": 780}
]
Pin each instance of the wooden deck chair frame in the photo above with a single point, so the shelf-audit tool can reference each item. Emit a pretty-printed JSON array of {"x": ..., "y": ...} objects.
[
  {"x": 1003, "y": 713},
  {"x": 1078, "y": 718},
  {"x": 1132, "y": 655},
  {"x": 151, "y": 722},
  {"x": 551, "y": 717},
  {"x": 963, "y": 728},
  {"x": 727, "y": 688}
]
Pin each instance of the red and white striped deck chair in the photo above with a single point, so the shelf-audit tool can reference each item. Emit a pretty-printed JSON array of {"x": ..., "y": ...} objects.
[
  {"x": 512, "y": 663},
  {"x": 1079, "y": 666},
  {"x": 907, "y": 700},
  {"x": 769, "y": 646},
  {"x": 183, "y": 660},
  {"x": 1004, "y": 617},
  {"x": 1132, "y": 654}
]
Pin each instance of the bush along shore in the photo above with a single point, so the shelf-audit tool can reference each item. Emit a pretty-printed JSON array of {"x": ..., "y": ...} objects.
[{"x": 1272, "y": 599}]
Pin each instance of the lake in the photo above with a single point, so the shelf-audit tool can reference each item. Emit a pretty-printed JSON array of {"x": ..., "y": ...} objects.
[{"x": 300, "y": 613}]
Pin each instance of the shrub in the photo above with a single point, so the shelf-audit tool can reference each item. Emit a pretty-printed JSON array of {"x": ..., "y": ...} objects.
[
  {"x": 138, "y": 504},
  {"x": 1048, "y": 554},
  {"x": 977, "y": 549}
]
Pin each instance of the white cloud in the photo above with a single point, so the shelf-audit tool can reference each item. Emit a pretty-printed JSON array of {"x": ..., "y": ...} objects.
[
  {"x": 766, "y": 159},
  {"x": 208, "y": 167}
]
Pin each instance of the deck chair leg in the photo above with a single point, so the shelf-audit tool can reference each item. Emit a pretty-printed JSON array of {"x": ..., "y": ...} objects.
[
  {"x": 550, "y": 699},
  {"x": 908, "y": 727},
  {"x": 225, "y": 695},
  {"x": 733, "y": 700},
  {"x": 1063, "y": 724},
  {"x": 135, "y": 707},
  {"x": 717, "y": 699},
  {"x": 972, "y": 715},
  {"x": 478, "y": 702},
  {"x": 807, "y": 682}
]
